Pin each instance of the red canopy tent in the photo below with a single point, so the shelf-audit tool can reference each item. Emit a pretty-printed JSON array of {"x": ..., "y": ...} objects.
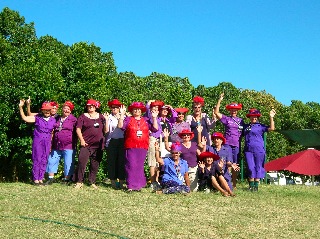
[{"x": 306, "y": 162}]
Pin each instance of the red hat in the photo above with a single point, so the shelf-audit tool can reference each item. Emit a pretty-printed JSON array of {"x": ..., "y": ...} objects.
[
  {"x": 54, "y": 104},
  {"x": 253, "y": 112},
  {"x": 176, "y": 147},
  {"x": 234, "y": 106},
  {"x": 137, "y": 105},
  {"x": 205, "y": 155},
  {"x": 114, "y": 102},
  {"x": 93, "y": 102},
  {"x": 186, "y": 131},
  {"x": 69, "y": 104},
  {"x": 182, "y": 110},
  {"x": 198, "y": 100},
  {"x": 218, "y": 135},
  {"x": 46, "y": 105},
  {"x": 158, "y": 103}
]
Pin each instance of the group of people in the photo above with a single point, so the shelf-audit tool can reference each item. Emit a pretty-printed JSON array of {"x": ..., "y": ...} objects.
[{"x": 181, "y": 152}]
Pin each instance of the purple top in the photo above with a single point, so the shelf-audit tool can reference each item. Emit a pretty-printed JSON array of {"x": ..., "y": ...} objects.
[
  {"x": 92, "y": 130},
  {"x": 43, "y": 128},
  {"x": 253, "y": 135},
  {"x": 65, "y": 136},
  {"x": 205, "y": 122},
  {"x": 174, "y": 172},
  {"x": 190, "y": 154},
  {"x": 177, "y": 128},
  {"x": 169, "y": 120},
  {"x": 233, "y": 129}
]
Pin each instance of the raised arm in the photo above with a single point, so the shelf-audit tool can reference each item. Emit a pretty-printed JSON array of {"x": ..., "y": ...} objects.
[
  {"x": 122, "y": 115},
  {"x": 272, "y": 114},
  {"x": 166, "y": 134},
  {"x": 217, "y": 108},
  {"x": 28, "y": 103},
  {"x": 28, "y": 119}
]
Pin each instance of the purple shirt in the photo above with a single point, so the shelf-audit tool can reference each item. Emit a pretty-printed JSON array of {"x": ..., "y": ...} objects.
[
  {"x": 233, "y": 129},
  {"x": 92, "y": 130},
  {"x": 253, "y": 135},
  {"x": 43, "y": 129},
  {"x": 65, "y": 136},
  {"x": 190, "y": 154},
  {"x": 205, "y": 122}
]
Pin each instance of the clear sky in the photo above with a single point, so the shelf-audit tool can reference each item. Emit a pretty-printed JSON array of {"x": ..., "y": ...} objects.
[{"x": 257, "y": 45}]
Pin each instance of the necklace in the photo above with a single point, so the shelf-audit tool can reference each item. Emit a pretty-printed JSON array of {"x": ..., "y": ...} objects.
[{"x": 93, "y": 116}]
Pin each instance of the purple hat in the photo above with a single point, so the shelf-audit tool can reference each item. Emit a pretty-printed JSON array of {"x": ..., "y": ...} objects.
[{"x": 176, "y": 147}]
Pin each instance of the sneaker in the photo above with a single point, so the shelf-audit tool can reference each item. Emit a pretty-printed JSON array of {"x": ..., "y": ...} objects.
[
  {"x": 255, "y": 189},
  {"x": 94, "y": 186},
  {"x": 49, "y": 182},
  {"x": 78, "y": 185}
]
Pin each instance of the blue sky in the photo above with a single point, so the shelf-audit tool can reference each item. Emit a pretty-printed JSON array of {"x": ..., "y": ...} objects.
[{"x": 257, "y": 45}]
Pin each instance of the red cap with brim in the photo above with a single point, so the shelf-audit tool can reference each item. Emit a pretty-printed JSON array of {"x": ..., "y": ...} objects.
[
  {"x": 205, "y": 155},
  {"x": 186, "y": 131},
  {"x": 137, "y": 105}
]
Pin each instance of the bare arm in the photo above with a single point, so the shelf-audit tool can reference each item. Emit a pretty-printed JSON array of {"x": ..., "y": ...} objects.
[
  {"x": 186, "y": 179},
  {"x": 28, "y": 119},
  {"x": 272, "y": 114},
  {"x": 217, "y": 108},
  {"x": 166, "y": 140},
  {"x": 122, "y": 114},
  {"x": 158, "y": 158},
  {"x": 79, "y": 133},
  {"x": 28, "y": 102}
]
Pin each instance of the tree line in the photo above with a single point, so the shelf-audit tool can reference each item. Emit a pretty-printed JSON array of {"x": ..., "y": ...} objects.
[{"x": 46, "y": 69}]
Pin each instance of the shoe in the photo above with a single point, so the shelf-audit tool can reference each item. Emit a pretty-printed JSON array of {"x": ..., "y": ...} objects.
[
  {"x": 251, "y": 189},
  {"x": 35, "y": 183},
  {"x": 94, "y": 186},
  {"x": 78, "y": 185},
  {"x": 49, "y": 182},
  {"x": 255, "y": 189},
  {"x": 129, "y": 191},
  {"x": 155, "y": 186}
]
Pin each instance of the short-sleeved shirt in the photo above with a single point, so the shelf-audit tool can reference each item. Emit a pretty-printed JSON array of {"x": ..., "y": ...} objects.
[
  {"x": 253, "y": 135},
  {"x": 64, "y": 133},
  {"x": 43, "y": 127},
  {"x": 92, "y": 130},
  {"x": 174, "y": 172},
  {"x": 205, "y": 122},
  {"x": 190, "y": 154},
  {"x": 233, "y": 129},
  {"x": 113, "y": 131}
]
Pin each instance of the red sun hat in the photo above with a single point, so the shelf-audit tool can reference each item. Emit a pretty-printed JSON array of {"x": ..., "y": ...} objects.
[
  {"x": 186, "y": 131},
  {"x": 198, "y": 100},
  {"x": 46, "y": 105},
  {"x": 205, "y": 155},
  {"x": 234, "y": 106},
  {"x": 182, "y": 110},
  {"x": 54, "y": 104},
  {"x": 253, "y": 112},
  {"x": 137, "y": 105},
  {"x": 115, "y": 102},
  {"x": 158, "y": 103},
  {"x": 93, "y": 102},
  {"x": 69, "y": 104},
  {"x": 218, "y": 135}
]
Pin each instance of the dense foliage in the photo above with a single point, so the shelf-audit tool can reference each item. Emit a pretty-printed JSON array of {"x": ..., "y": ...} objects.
[{"x": 46, "y": 69}]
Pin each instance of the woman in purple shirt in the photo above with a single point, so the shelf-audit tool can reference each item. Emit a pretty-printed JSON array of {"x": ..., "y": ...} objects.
[
  {"x": 63, "y": 144},
  {"x": 42, "y": 135},
  {"x": 254, "y": 150},
  {"x": 90, "y": 128},
  {"x": 233, "y": 126}
]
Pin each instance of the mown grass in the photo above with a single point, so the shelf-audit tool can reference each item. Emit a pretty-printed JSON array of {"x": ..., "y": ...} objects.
[{"x": 59, "y": 211}]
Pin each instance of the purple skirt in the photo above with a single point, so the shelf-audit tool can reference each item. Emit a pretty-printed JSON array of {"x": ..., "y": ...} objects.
[{"x": 134, "y": 167}]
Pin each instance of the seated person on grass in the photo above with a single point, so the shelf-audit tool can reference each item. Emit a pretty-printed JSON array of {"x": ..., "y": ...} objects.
[
  {"x": 211, "y": 175},
  {"x": 175, "y": 177}
]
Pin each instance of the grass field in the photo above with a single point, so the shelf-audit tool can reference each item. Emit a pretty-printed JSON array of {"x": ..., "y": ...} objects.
[{"x": 59, "y": 211}]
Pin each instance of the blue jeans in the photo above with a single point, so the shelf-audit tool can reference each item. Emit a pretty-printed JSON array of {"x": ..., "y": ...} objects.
[{"x": 54, "y": 159}]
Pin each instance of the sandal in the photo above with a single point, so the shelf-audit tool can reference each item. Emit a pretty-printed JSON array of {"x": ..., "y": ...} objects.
[{"x": 78, "y": 185}]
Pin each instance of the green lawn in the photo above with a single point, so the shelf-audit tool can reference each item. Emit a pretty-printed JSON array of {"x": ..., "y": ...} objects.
[{"x": 59, "y": 211}]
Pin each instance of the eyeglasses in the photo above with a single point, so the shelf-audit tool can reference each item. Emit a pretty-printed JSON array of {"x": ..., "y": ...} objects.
[
  {"x": 186, "y": 135},
  {"x": 197, "y": 107},
  {"x": 179, "y": 113}
]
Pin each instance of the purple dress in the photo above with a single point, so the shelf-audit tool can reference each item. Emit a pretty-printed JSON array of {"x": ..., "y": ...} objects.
[
  {"x": 41, "y": 145},
  {"x": 254, "y": 150},
  {"x": 233, "y": 129}
]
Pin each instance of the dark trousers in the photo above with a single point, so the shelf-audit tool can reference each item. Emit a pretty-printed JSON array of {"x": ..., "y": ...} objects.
[
  {"x": 95, "y": 156},
  {"x": 115, "y": 159}
]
